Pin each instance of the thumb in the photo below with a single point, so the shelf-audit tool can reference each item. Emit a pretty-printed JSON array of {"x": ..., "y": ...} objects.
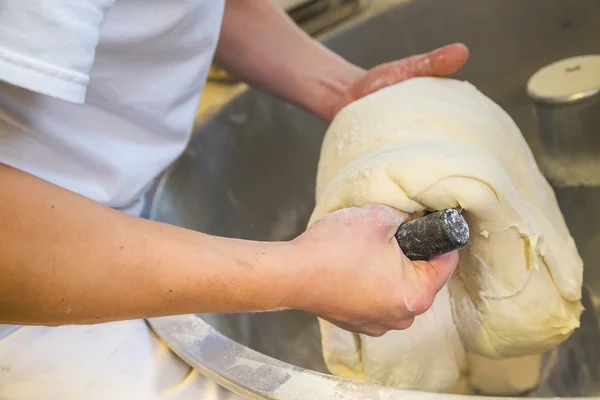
[
  {"x": 430, "y": 277},
  {"x": 434, "y": 273}
]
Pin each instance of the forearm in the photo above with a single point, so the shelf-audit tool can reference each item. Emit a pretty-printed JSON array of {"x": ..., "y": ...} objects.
[
  {"x": 65, "y": 259},
  {"x": 262, "y": 46}
]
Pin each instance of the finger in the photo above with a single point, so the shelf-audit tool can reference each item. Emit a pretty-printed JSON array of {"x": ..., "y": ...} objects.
[
  {"x": 438, "y": 271},
  {"x": 354, "y": 328},
  {"x": 369, "y": 329},
  {"x": 440, "y": 62},
  {"x": 403, "y": 324},
  {"x": 375, "y": 331},
  {"x": 429, "y": 277}
]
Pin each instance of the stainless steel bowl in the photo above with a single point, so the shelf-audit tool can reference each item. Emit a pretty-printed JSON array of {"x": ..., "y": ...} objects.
[{"x": 249, "y": 173}]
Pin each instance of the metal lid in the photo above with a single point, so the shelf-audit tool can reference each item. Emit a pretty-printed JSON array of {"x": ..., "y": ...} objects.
[{"x": 566, "y": 80}]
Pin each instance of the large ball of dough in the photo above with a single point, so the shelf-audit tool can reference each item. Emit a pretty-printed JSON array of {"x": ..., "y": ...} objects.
[{"x": 430, "y": 144}]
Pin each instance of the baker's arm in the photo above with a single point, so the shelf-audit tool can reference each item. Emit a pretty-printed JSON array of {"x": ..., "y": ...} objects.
[
  {"x": 65, "y": 259},
  {"x": 262, "y": 46}
]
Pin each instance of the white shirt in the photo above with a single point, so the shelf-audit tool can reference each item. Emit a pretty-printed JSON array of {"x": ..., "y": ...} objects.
[
  {"x": 113, "y": 88},
  {"x": 98, "y": 97}
]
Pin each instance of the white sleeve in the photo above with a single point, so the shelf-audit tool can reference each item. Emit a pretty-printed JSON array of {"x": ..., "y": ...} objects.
[{"x": 49, "y": 46}]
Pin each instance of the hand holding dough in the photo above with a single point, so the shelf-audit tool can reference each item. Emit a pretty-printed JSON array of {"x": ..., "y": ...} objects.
[{"x": 431, "y": 144}]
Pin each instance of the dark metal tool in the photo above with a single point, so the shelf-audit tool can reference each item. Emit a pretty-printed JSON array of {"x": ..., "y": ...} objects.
[{"x": 433, "y": 235}]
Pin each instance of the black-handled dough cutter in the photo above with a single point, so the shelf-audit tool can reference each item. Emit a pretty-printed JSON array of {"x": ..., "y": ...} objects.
[{"x": 432, "y": 235}]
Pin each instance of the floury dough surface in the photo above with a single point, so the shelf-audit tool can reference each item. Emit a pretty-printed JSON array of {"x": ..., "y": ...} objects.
[{"x": 431, "y": 143}]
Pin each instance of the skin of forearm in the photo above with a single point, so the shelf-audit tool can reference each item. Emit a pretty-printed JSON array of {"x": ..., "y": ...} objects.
[
  {"x": 65, "y": 259},
  {"x": 262, "y": 46}
]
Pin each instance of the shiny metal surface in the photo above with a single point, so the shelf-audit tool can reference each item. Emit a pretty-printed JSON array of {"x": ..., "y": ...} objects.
[
  {"x": 249, "y": 173},
  {"x": 566, "y": 81},
  {"x": 319, "y": 15},
  {"x": 566, "y": 130}
]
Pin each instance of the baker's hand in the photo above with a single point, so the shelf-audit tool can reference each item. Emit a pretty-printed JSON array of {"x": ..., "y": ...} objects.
[
  {"x": 440, "y": 62},
  {"x": 359, "y": 279}
]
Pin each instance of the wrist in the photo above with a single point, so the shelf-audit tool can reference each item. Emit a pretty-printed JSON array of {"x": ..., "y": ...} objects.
[
  {"x": 271, "y": 275},
  {"x": 299, "y": 285},
  {"x": 295, "y": 265}
]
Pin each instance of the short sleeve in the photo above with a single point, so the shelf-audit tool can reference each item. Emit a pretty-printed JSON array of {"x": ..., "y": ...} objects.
[{"x": 48, "y": 46}]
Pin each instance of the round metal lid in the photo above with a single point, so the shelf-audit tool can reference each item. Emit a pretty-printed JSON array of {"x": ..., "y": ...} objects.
[{"x": 566, "y": 80}]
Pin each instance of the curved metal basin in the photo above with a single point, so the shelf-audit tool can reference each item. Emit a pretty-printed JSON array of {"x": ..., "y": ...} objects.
[{"x": 249, "y": 173}]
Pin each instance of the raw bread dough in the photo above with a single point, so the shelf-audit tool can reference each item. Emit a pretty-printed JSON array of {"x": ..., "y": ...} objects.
[
  {"x": 504, "y": 377},
  {"x": 401, "y": 358},
  {"x": 431, "y": 144}
]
